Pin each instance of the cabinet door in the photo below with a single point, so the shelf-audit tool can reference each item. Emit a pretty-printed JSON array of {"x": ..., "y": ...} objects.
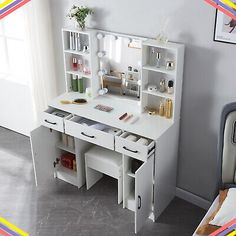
[
  {"x": 44, "y": 153},
  {"x": 143, "y": 193}
]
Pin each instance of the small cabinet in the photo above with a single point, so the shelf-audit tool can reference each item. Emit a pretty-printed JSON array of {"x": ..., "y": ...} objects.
[
  {"x": 91, "y": 131},
  {"x": 54, "y": 119},
  {"x": 136, "y": 149},
  {"x": 138, "y": 189},
  {"x": 47, "y": 152}
]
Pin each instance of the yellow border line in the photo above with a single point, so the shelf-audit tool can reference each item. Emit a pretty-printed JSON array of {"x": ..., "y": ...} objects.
[
  {"x": 13, "y": 227},
  {"x": 232, "y": 233},
  {"x": 229, "y": 3},
  {"x": 5, "y": 3}
]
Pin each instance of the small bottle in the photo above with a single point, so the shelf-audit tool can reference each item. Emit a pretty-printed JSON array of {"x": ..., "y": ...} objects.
[
  {"x": 168, "y": 109},
  {"x": 152, "y": 56},
  {"x": 80, "y": 65},
  {"x": 161, "y": 109},
  {"x": 158, "y": 60},
  {"x": 162, "y": 87},
  {"x": 74, "y": 83},
  {"x": 81, "y": 85},
  {"x": 74, "y": 64},
  {"x": 170, "y": 87}
]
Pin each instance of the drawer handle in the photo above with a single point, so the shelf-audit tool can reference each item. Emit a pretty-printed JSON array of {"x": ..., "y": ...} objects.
[
  {"x": 127, "y": 149},
  {"x": 49, "y": 122},
  {"x": 139, "y": 202},
  {"x": 87, "y": 135}
]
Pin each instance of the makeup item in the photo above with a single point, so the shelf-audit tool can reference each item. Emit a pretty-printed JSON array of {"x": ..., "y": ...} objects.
[
  {"x": 74, "y": 64},
  {"x": 128, "y": 117},
  {"x": 74, "y": 83},
  {"x": 103, "y": 108},
  {"x": 152, "y": 88},
  {"x": 67, "y": 160},
  {"x": 78, "y": 45},
  {"x": 60, "y": 114},
  {"x": 158, "y": 60},
  {"x": 76, "y": 41},
  {"x": 78, "y": 101},
  {"x": 132, "y": 138},
  {"x": 161, "y": 109},
  {"x": 88, "y": 92},
  {"x": 86, "y": 68},
  {"x": 64, "y": 139},
  {"x": 85, "y": 48},
  {"x": 80, "y": 85},
  {"x": 162, "y": 87},
  {"x": 170, "y": 65},
  {"x": 80, "y": 65},
  {"x": 152, "y": 56},
  {"x": 71, "y": 41},
  {"x": 123, "y": 116},
  {"x": 168, "y": 108},
  {"x": 70, "y": 140},
  {"x": 134, "y": 120},
  {"x": 143, "y": 141},
  {"x": 170, "y": 87}
]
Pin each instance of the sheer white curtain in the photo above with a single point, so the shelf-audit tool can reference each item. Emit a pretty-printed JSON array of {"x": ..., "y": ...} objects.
[{"x": 41, "y": 54}]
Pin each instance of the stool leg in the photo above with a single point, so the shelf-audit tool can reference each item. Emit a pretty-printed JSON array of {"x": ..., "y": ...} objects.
[
  {"x": 120, "y": 190},
  {"x": 92, "y": 177}
]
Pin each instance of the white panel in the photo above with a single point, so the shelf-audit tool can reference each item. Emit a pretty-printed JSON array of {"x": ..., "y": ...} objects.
[
  {"x": 44, "y": 153},
  {"x": 143, "y": 193}
]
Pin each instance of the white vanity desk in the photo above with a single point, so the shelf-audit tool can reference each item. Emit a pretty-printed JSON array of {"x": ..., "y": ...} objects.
[
  {"x": 149, "y": 190},
  {"x": 148, "y": 126}
]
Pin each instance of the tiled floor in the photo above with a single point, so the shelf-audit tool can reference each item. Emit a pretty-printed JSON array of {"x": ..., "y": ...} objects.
[{"x": 59, "y": 209}]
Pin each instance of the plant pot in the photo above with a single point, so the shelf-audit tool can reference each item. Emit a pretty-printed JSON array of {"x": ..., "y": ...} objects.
[{"x": 77, "y": 26}]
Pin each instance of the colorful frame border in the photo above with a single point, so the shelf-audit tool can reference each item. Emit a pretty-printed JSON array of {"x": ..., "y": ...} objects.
[
  {"x": 8, "y": 6},
  {"x": 8, "y": 229},
  {"x": 227, "y": 230},
  {"x": 225, "y": 6}
]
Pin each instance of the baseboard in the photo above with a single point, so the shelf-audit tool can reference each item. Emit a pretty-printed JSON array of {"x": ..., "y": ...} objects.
[{"x": 192, "y": 198}]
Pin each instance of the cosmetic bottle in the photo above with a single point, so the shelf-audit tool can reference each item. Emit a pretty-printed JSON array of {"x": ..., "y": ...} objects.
[
  {"x": 80, "y": 65},
  {"x": 152, "y": 56},
  {"x": 161, "y": 109},
  {"x": 81, "y": 85},
  {"x": 74, "y": 64},
  {"x": 170, "y": 87},
  {"x": 158, "y": 60},
  {"x": 74, "y": 83}
]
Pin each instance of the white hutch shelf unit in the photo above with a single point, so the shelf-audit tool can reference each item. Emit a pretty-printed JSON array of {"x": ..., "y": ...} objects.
[
  {"x": 87, "y": 57},
  {"x": 147, "y": 190}
]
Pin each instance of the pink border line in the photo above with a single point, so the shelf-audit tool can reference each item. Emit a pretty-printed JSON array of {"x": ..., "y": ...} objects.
[
  {"x": 13, "y": 9},
  {"x": 223, "y": 227},
  {"x": 221, "y": 9}
]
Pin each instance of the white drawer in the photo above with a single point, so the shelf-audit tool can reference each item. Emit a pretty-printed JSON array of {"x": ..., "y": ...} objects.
[
  {"x": 54, "y": 119},
  {"x": 105, "y": 137},
  {"x": 133, "y": 148}
]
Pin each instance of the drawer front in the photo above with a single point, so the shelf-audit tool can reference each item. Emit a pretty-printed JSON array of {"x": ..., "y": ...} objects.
[
  {"x": 52, "y": 122},
  {"x": 132, "y": 149},
  {"x": 88, "y": 134}
]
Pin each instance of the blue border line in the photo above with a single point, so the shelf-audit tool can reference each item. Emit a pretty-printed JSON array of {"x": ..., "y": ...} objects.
[
  {"x": 8, "y": 7},
  {"x": 231, "y": 10},
  {"x": 8, "y": 230}
]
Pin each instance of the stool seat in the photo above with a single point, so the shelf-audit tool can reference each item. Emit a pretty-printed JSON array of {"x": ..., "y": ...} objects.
[
  {"x": 99, "y": 161},
  {"x": 105, "y": 155}
]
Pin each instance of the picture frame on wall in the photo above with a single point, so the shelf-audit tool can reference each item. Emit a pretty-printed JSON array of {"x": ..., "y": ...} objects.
[{"x": 225, "y": 28}]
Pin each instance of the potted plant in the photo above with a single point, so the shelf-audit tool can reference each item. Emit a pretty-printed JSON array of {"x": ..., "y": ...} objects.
[{"x": 79, "y": 14}]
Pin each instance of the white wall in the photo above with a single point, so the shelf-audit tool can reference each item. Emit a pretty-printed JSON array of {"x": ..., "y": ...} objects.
[
  {"x": 16, "y": 107},
  {"x": 209, "y": 81}
]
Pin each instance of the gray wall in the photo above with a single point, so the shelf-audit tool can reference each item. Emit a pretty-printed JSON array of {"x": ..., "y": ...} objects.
[{"x": 209, "y": 81}]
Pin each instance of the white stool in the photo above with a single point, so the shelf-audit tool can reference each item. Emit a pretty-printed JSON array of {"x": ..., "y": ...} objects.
[{"x": 99, "y": 160}]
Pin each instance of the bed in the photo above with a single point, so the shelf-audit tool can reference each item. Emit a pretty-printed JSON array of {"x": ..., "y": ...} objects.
[{"x": 226, "y": 161}]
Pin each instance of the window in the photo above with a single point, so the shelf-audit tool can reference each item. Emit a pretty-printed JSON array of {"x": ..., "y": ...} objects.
[{"x": 14, "y": 63}]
